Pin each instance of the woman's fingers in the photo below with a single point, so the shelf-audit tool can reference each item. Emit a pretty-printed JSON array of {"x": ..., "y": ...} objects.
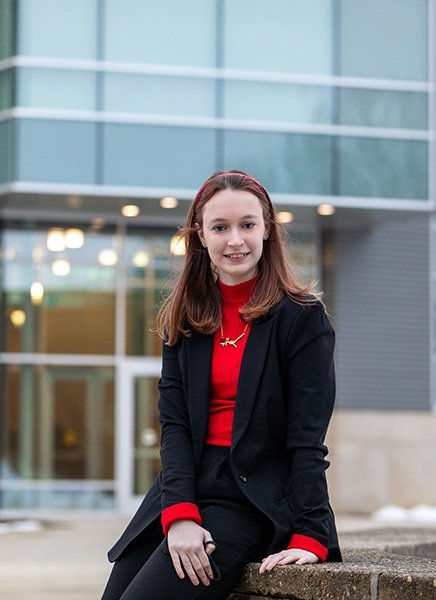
[
  {"x": 195, "y": 566},
  {"x": 190, "y": 546},
  {"x": 286, "y": 557}
]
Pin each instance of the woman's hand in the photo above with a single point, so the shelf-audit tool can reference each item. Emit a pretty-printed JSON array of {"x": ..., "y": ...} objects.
[
  {"x": 189, "y": 552},
  {"x": 287, "y": 557}
]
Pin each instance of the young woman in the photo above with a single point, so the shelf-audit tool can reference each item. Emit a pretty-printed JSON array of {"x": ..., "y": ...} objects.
[{"x": 246, "y": 394}]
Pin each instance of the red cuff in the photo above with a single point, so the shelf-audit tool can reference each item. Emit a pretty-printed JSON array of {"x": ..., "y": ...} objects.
[
  {"x": 182, "y": 510},
  {"x": 304, "y": 542}
]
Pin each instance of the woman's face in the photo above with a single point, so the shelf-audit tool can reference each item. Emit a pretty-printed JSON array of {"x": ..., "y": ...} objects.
[{"x": 233, "y": 231}]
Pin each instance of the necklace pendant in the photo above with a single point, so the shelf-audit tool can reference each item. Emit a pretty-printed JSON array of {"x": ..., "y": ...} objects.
[{"x": 226, "y": 341}]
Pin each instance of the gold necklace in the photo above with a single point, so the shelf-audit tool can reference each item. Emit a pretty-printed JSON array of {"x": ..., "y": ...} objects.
[{"x": 226, "y": 341}]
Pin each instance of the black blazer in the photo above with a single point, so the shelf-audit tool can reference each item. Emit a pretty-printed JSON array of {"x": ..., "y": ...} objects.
[{"x": 284, "y": 402}]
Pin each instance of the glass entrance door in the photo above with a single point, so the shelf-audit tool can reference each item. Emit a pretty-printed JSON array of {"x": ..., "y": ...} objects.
[{"x": 138, "y": 436}]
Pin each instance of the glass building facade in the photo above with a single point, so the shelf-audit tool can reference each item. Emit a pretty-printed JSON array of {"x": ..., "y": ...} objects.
[{"x": 107, "y": 105}]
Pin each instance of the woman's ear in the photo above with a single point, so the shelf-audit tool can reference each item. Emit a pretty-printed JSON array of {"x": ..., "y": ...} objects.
[{"x": 200, "y": 234}]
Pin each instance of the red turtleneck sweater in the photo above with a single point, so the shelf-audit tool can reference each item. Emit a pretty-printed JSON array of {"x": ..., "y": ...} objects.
[{"x": 226, "y": 364}]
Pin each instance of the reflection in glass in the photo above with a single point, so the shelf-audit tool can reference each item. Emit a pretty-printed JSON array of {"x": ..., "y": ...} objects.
[
  {"x": 383, "y": 108},
  {"x": 147, "y": 434},
  {"x": 147, "y": 266},
  {"x": 6, "y": 88},
  {"x": 382, "y": 168},
  {"x": 286, "y": 163},
  {"x": 58, "y": 424},
  {"x": 277, "y": 102},
  {"x": 68, "y": 297}
]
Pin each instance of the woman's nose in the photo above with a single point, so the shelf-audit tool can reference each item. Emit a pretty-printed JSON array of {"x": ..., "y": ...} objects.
[{"x": 235, "y": 238}]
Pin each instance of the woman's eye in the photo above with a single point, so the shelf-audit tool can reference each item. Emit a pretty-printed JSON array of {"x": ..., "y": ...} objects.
[
  {"x": 218, "y": 228},
  {"x": 248, "y": 225}
]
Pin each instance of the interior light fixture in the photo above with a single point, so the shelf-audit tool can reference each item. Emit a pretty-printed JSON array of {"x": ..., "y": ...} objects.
[
  {"x": 74, "y": 238},
  {"x": 141, "y": 259},
  {"x": 97, "y": 223},
  {"x": 74, "y": 201},
  {"x": 36, "y": 292},
  {"x": 177, "y": 245},
  {"x": 61, "y": 267},
  {"x": 168, "y": 202},
  {"x": 285, "y": 216},
  {"x": 56, "y": 239},
  {"x": 107, "y": 257},
  {"x": 130, "y": 210},
  {"x": 326, "y": 210},
  {"x": 17, "y": 317}
]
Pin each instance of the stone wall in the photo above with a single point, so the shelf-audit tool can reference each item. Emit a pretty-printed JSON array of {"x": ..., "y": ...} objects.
[{"x": 380, "y": 458}]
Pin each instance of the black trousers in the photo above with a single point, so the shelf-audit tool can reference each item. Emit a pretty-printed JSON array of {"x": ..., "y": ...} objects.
[{"x": 242, "y": 534}]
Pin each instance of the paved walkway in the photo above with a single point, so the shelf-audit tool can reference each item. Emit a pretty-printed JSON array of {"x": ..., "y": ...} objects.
[{"x": 65, "y": 559}]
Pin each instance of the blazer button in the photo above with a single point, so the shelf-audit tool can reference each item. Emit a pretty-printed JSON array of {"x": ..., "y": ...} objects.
[{"x": 243, "y": 478}]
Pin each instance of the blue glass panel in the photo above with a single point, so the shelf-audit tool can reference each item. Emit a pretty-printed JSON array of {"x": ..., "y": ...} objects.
[
  {"x": 5, "y": 151},
  {"x": 58, "y": 28},
  {"x": 56, "y": 151},
  {"x": 277, "y": 102},
  {"x": 7, "y": 28},
  {"x": 141, "y": 155},
  {"x": 285, "y": 163},
  {"x": 156, "y": 95},
  {"x": 168, "y": 32},
  {"x": 6, "y": 88},
  {"x": 383, "y": 168},
  {"x": 284, "y": 35},
  {"x": 56, "y": 88},
  {"x": 383, "y": 108},
  {"x": 384, "y": 38}
]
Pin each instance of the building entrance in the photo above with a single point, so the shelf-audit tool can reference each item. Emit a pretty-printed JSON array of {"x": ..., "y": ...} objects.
[{"x": 137, "y": 430}]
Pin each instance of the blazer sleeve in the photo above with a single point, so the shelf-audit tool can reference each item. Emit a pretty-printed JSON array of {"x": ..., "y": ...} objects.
[
  {"x": 178, "y": 468},
  {"x": 311, "y": 395}
]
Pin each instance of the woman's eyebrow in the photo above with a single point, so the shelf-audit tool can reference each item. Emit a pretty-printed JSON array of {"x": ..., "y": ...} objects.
[{"x": 220, "y": 219}]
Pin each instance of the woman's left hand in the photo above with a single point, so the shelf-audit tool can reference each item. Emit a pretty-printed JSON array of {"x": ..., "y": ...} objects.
[{"x": 287, "y": 557}]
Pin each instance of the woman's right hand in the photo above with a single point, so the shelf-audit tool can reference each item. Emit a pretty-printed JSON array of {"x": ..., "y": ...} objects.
[{"x": 189, "y": 552}]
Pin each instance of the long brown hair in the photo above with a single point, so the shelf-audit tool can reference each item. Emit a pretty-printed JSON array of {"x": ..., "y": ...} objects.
[{"x": 195, "y": 302}]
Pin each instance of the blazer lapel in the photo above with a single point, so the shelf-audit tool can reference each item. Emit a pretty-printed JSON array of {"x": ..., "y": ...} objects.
[
  {"x": 255, "y": 354},
  {"x": 199, "y": 357}
]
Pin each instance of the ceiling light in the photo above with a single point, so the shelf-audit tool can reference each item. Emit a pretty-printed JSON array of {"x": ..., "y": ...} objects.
[
  {"x": 56, "y": 239},
  {"x": 169, "y": 202},
  {"x": 61, "y": 267},
  {"x": 74, "y": 201},
  {"x": 285, "y": 217},
  {"x": 74, "y": 238},
  {"x": 326, "y": 210},
  {"x": 141, "y": 259},
  {"x": 177, "y": 245},
  {"x": 130, "y": 210},
  {"x": 36, "y": 292},
  {"x": 17, "y": 317},
  {"x": 108, "y": 257},
  {"x": 97, "y": 222}
]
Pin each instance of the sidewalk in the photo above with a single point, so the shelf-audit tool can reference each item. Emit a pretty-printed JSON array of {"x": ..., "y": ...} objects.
[{"x": 66, "y": 559}]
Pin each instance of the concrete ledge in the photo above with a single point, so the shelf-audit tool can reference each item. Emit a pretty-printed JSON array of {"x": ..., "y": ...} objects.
[{"x": 380, "y": 564}]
